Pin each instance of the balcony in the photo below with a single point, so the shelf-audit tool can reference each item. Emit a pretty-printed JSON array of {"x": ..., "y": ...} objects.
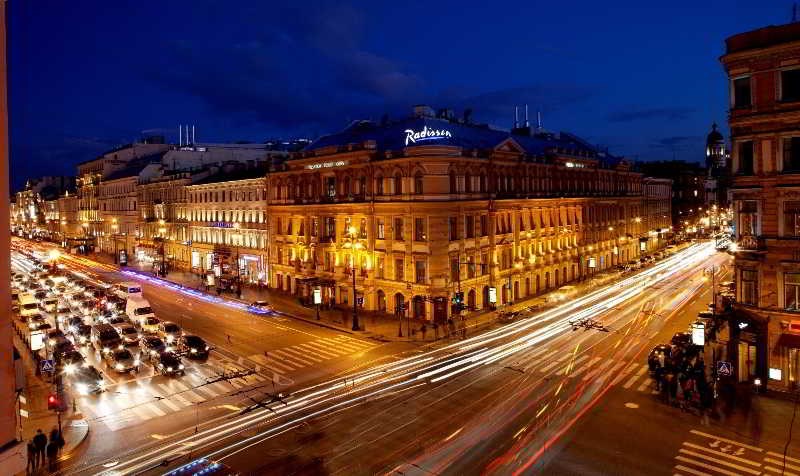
[{"x": 751, "y": 244}]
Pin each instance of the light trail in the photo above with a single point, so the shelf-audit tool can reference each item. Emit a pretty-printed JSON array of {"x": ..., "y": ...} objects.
[{"x": 434, "y": 366}]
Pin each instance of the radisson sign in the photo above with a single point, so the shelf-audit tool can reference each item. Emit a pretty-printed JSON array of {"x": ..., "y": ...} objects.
[
  {"x": 326, "y": 165},
  {"x": 413, "y": 136}
]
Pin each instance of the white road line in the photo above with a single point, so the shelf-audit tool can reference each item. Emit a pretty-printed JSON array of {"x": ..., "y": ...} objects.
[
  {"x": 718, "y": 461},
  {"x": 317, "y": 352},
  {"x": 691, "y": 471},
  {"x": 155, "y": 409},
  {"x": 354, "y": 341},
  {"x": 597, "y": 369},
  {"x": 645, "y": 385},
  {"x": 292, "y": 358},
  {"x": 611, "y": 371},
  {"x": 780, "y": 456},
  {"x": 706, "y": 466},
  {"x": 205, "y": 391},
  {"x": 720, "y": 453},
  {"x": 635, "y": 377},
  {"x": 165, "y": 390},
  {"x": 170, "y": 404},
  {"x": 554, "y": 363},
  {"x": 220, "y": 387},
  {"x": 624, "y": 373},
  {"x": 181, "y": 399},
  {"x": 779, "y": 471},
  {"x": 574, "y": 364},
  {"x": 585, "y": 367},
  {"x": 324, "y": 349},
  {"x": 141, "y": 412},
  {"x": 304, "y": 354},
  {"x": 275, "y": 365},
  {"x": 780, "y": 463},
  {"x": 713, "y": 437}
]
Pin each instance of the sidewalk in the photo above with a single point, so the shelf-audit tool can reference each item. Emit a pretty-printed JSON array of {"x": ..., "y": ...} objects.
[
  {"x": 376, "y": 326},
  {"x": 33, "y": 405}
]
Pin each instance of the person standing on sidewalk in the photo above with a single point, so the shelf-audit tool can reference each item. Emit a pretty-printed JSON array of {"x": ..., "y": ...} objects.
[
  {"x": 32, "y": 462},
  {"x": 52, "y": 455},
  {"x": 40, "y": 441},
  {"x": 424, "y": 330}
]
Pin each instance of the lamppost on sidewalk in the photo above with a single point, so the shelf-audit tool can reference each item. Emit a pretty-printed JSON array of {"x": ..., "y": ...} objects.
[{"x": 353, "y": 243}]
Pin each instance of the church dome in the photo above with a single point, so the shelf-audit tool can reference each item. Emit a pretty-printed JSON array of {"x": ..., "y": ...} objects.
[{"x": 714, "y": 137}]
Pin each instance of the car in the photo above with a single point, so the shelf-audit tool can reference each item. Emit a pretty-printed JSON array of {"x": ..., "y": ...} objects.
[
  {"x": 105, "y": 338},
  {"x": 260, "y": 307},
  {"x": 88, "y": 380},
  {"x": 71, "y": 322},
  {"x": 40, "y": 294},
  {"x": 63, "y": 308},
  {"x": 59, "y": 346},
  {"x": 49, "y": 304},
  {"x": 151, "y": 347},
  {"x": 81, "y": 334},
  {"x": 122, "y": 360},
  {"x": 681, "y": 339},
  {"x": 168, "y": 363},
  {"x": 170, "y": 332},
  {"x": 193, "y": 346},
  {"x": 115, "y": 303},
  {"x": 116, "y": 319},
  {"x": 150, "y": 325},
  {"x": 72, "y": 360},
  {"x": 129, "y": 334},
  {"x": 36, "y": 322}
]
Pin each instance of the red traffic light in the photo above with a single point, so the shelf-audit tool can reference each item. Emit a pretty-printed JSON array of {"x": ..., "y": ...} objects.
[{"x": 52, "y": 402}]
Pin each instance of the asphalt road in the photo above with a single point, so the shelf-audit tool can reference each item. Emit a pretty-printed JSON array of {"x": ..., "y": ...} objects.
[{"x": 498, "y": 402}]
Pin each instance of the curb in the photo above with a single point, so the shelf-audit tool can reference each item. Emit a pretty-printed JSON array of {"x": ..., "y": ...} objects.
[{"x": 79, "y": 426}]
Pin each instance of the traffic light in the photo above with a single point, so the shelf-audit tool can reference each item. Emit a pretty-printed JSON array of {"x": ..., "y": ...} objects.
[
  {"x": 52, "y": 402},
  {"x": 458, "y": 298}
]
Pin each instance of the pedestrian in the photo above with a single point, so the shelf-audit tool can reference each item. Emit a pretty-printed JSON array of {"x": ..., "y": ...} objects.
[
  {"x": 32, "y": 463},
  {"x": 52, "y": 455},
  {"x": 424, "y": 330},
  {"x": 229, "y": 338},
  {"x": 435, "y": 330},
  {"x": 55, "y": 436},
  {"x": 40, "y": 441}
]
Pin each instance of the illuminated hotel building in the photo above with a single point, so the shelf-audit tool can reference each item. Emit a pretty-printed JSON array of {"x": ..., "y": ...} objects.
[
  {"x": 228, "y": 235},
  {"x": 763, "y": 68},
  {"x": 429, "y": 206}
]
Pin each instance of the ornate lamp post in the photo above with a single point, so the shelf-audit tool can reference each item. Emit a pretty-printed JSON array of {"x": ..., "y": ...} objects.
[{"x": 353, "y": 243}]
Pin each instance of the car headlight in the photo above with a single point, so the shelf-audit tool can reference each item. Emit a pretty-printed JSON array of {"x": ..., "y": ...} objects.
[
  {"x": 136, "y": 362},
  {"x": 69, "y": 369},
  {"x": 119, "y": 366},
  {"x": 169, "y": 369},
  {"x": 194, "y": 351},
  {"x": 32, "y": 325},
  {"x": 121, "y": 347},
  {"x": 51, "y": 342},
  {"x": 82, "y": 388},
  {"x": 180, "y": 367},
  {"x": 106, "y": 350},
  {"x": 170, "y": 338},
  {"x": 206, "y": 347}
]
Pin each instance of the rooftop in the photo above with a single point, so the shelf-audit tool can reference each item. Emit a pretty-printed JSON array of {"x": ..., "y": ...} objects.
[
  {"x": 232, "y": 175},
  {"x": 763, "y": 37}
]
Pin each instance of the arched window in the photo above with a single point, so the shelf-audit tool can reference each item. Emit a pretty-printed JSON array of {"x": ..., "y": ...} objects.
[
  {"x": 453, "y": 182},
  {"x": 482, "y": 184},
  {"x": 379, "y": 185},
  {"x": 418, "y": 183},
  {"x": 467, "y": 183},
  {"x": 398, "y": 183}
]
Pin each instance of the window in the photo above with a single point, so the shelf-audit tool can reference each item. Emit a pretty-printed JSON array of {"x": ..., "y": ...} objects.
[
  {"x": 330, "y": 186},
  {"x": 399, "y": 270},
  {"x": 330, "y": 228},
  {"x": 362, "y": 228},
  {"x": 746, "y": 158},
  {"x": 419, "y": 229},
  {"x": 418, "y": 183},
  {"x": 314, "y": 226},
  {"x": 453, "y": 182},
  {"x": 379, "y": 267},
  {"x": 289, "y": 226},
  {"x": 452, "y": 228},
  {"x": 329, "y": 261},
  {"x": 791, "y": 218},
  {"x": 470, "y": 226},
  {"x": 484, "y": 226},
  {"x": 749, "y": 283},
  {"x": 378, "y": 185},
  {"x": 381, "y": 229},
  {"x": 398, "y": 184},
  {"x": 791, "y": 291},
  {"x": 790, "y": 85},
  {"x": 419, "y": 271},
  {"x": 455, "y": 272},
  {"x": 484, "y": 263},
  {"x": 748, "y": 218},
  {"x": 791, "y": 154},
  {"x": 398, "y": 228},
  {"x": 741, "y": 92}
]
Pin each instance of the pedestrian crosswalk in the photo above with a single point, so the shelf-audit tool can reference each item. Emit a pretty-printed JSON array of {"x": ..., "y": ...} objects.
[
  {"x": 290, "y": 359},
  {"x": 704, "y": 454},
  {"x": 133, "y": 402},
  {"x": 632, "y": 376}
]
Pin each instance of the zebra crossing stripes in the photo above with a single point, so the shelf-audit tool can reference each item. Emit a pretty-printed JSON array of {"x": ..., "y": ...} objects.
[
  {"x": 307, "y": 354},
  {"x": 572, "y": 365},
  {"x": 635, "y": 377},
  {"x": 554, "y": 363},
  {"x": 707, "y": 454}
]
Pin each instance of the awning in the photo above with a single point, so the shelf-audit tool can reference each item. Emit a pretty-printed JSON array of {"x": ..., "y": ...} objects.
[{"x": 789, "y": 340}]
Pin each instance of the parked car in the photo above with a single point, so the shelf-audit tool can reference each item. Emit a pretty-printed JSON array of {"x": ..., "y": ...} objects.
[
  {"x": 193, "y": 346},
  {"x": 169, "y": 364},
  {"x": 652, "y": 358}
]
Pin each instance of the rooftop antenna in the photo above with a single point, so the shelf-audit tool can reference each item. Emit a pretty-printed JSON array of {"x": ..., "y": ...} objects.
[
  {"x": 180, "y": 136},
  {"x": 538, "y": 119},
  {"x": 193, "y": 134},
  {"x": 516, "y": 117},
  {"x": 526, "y": 116}
]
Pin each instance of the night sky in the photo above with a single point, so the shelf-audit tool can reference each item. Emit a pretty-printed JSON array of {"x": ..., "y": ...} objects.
[{"x": 642, "y": 78}]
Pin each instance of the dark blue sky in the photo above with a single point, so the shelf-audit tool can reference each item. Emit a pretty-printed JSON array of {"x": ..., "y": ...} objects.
[{"x": 640, "y": 78}]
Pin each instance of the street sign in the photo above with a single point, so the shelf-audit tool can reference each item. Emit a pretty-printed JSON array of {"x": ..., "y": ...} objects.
[
  {"x": 492, "y": 295},
  {"x": 724, "y": 369},
  {"x": 317, "y": 296},
  {"x": 360, "y": 301},
  {"x": 699, "y": 333},
  {"x": 47, "y": 366}
]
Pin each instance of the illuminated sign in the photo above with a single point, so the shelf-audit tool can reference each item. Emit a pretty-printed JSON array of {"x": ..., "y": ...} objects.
[
  {"x": 492, "y": 295},
  {"x": 592, "y": 262},
  {"x": 698, "y": 333},
  {"x": 426, "y": 134},
  {"x": 317, "y": 296},
  {"x": 221, "y": 224},
  {"x": 326, "y": 165},
  {"x": 775, "y": 374}
]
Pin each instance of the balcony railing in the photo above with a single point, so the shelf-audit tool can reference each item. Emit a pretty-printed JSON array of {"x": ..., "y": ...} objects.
[{"x": 751, "y": 243}]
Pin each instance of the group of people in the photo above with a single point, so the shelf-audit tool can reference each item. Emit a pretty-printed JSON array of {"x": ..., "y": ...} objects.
[
  {"x": 43, "y": 450},
  {"x": 449, "y": 329},
  {"x": 681, "y": 379}
]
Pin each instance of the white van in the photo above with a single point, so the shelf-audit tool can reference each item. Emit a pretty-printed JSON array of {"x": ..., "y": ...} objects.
[
  {"x": 128, "y": 290},
  {"x": 28, "y": 305},
  {"x": 138, "y": 310}
]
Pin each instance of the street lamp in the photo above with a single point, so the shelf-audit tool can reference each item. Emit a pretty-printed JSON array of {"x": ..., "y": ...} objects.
[
  {"x": 354, "y": 244},
  {"x": 237, "y": 237}
]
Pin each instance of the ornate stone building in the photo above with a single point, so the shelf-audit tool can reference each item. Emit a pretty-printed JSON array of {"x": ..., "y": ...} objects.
[
  {"x": 763, "y": 67},
  {"x": 422, "y": 208}
]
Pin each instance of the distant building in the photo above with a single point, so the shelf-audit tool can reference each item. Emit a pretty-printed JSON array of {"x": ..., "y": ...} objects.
[
  {"x": 718, "y": 167},
  {"x": 688, "y": 189},
  {"x": 763, "y": 68}
]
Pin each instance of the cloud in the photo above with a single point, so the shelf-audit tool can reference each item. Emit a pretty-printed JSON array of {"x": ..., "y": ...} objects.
[
  {"x": 665, "y": 113},
  {"x": 674, "y": 143}
]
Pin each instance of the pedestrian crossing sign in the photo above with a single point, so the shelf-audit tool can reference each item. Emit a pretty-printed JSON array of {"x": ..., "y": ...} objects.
[
  {"x": 47, "y": 366},
  {"x": 724, "y": 369}
]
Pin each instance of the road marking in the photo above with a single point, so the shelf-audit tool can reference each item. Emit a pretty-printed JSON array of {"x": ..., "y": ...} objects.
[
  {"x": 572, "y": 364},
  {"x": 624, "y": 373},
  {"x": 779, "y": 471},
  {"x": 317, "y": 352},
  {"x": 154, "y": 408},
  {"x": 635, "y": 377},
  {"x": 611, "y": 371},
  {"x": 691, "y": 471},
  {"x": 720, "y": 453},
  {"x": 706, "y": 466},
  {"x": 273, "y": 363},
  {"x": 552, "y": 364},
  {"x": 324, "y": 349},
  {"x": 354, "y": 341},
  {"x": 585, "y": 367},
  {"x": 292, "y": 358},
  {"x": 646, "y": 384},
  {"x": 141, "y": 412},
  {"x": 349, "y": 346},
  {"x": 597, "y": 369},
  {"x": 779, "y": 455},
  {"x": 780, "y": 462},
  {"x": 170, "y": 404},
  {"x": 205, "y": 390},
  {"x": 718, "y": 461},
  {"x": 305, "y": 355},
  {"x": 743, "y": 445}
]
